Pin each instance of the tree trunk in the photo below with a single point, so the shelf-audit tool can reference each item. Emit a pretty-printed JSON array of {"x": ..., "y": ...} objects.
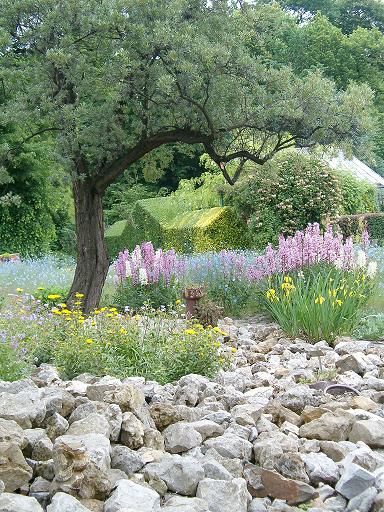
[{"x": 92, "y": 258}]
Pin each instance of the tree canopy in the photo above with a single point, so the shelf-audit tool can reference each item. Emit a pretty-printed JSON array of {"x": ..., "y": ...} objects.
[{"x": 115, "y": 81}]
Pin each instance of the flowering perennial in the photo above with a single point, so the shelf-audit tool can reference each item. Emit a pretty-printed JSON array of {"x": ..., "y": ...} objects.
[{"x": 145, "y": 266}]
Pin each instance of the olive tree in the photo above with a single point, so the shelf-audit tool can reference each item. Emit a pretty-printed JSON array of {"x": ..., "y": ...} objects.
[{"x": 115, "y": 80}]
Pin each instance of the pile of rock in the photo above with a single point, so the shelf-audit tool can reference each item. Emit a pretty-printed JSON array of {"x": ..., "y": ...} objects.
[{"x": 258, "y": 438}]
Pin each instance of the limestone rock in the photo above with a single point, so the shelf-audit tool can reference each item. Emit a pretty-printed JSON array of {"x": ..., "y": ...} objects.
[
  {"x": 17, "y": 503},
  {"x": 181, "y": 437},
  {"x": 357, "y": 362},
  {"x": 320, "y": 468},
  {"x": 14, "y": 471},
  {"x": 181, "y": 474},
  {"x": 263, "y": 482},
  {"x": 164, "y": 414},
  {"x": 363, "y": 502},
  {"x": 369, "y": 431},
  {"x": 231, "y": 446},
  {"x": 331, "y": 426},
  {"x": 62, "y": 502},
  {"x": 182, "y": 504},
  {"x": 224, "y": 496},
  {"x": 81, "y": 465},
  {"x": 354, "y": 481},
  {"x": 129, "y": 496},
  {"x": 126, "y": 459},
  {"x": 25, "y": 408},
  {"x": 92, "y": 424},
  {"x": 11, "y": 431},
  {"x": 56, "y": 426},
  {"x": 132, "y": 431}
]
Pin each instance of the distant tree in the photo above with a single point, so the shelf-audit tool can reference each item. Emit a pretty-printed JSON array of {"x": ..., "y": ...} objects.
[
  {"x": 345, "y": 14},
  {"x": 115, "y": 80}
]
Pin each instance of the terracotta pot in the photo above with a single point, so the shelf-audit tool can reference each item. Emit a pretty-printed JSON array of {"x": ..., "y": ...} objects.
[{"x": 192, "y": 296}]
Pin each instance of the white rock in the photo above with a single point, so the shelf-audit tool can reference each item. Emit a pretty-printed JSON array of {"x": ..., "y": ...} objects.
[
  {"x": 354, "y": 481},
  {"x": 224, "y": 496},
  {"x": 181, "y": 437},
  {"x": 131, "y": 497},
  {"x": 181, "y": 474},
  {"x": 231, "y": 446},
  {"x": 62, "y": 502},
  {"x": 320, "y": 468},
  {"x": 17, "y": 503}
]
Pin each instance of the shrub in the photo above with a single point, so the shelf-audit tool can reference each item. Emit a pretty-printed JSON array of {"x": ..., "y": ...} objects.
[
  {"x": 354, "y": 225},
  {"x": 321, "y": 303},
  {"x": 285, "y": 195},
  {"x": 357, "y": 196}
]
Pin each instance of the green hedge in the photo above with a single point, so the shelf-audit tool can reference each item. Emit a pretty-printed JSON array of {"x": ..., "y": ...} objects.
[
  {"x": 166, "y": 225},
  {"x": 353, "y": 225},
  {"x": 117, "y": 237}
]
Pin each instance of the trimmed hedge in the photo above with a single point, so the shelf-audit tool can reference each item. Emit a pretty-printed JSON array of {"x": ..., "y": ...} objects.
[
  {"x": 353, "y": 225},
  {"x": 117, "y": 237},
  {"x": 166, "y": 225}
]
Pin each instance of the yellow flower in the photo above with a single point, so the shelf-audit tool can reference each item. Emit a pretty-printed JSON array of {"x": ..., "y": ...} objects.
[
  {"x": 287, "y": 279},
  {"x": 190, "y": 331},
  {"x": 332, "y": 293},
  {"x": 123, "y": 331},
  {"x": 89, "y": 341},
  {"x": 177, "y": 302},
  {"x": 53, "y": 296},
  {"x": 97, "y": 311},
  {"x": 319, "y": 300},
  {"x": 112, "y": 310},
  {"x": 56, "y": 311},
  {"x": 271, "y": 295},
  {"x": 62, "y": 305},
  {"x": 337, "y": 302},
  {"x": 217, "y": 344},
  {"x": 77, "y": 303},
  {"x": 79, "y": 295},
  {"x": 19, "y": 290},
  {"x": 220, "y": 331},
  {"x": 103, "y": 309},
  {"x": 41, "y": 288},
  {"x": 109, "y": 315},
  {"x": 233, "y": 350}
]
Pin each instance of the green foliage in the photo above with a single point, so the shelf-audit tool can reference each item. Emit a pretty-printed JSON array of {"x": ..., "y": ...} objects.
[
  {"x": 155, "y": 295},
  {"x": 357, "y": 196},
  {"x": 175, "y": 222},
  {"x": 14, "y": 364},
  {"x": 157, "y": 345},
  {"x": 353, "y": 225},
  {"x": 119, "y": 237},
  {"x": 286, "y": 195},
  {"x": 371, "y": 327},
  {"x": 322, "y": 304}
]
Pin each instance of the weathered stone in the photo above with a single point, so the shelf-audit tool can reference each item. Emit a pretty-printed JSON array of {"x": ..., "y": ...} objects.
[
  {"x": 332, "y": 426},
  {"x": 297, "y": 397},
  {"x": 369, "y": 431},
  {"x": 181, "y": 474},
  {"x": 92, "y": 424},
  {"x": 365, "y": 457},
  {"x": 14, "y": 471},
  {"x": 132, "y": 431},
  {"x": 82, "y": 411},
  {"x": 62, "y": 502},
  {"x": 337, "y": 451},
  {"x": 164, "y": 414},
  {"x": 81, "y": 465},
  {"x": 263, "y": 482},
  {"x": 363, "y": 502},
  {"x": 183, "y": 504},
  {"x": 181, "y": 437},
  {"x": 56, "y": 426},
  {"x": 290, "y": 465},
  {"x": 114, "y": 416},
  {"x": 357, "y": 362},
  {"x": 224, "y": 496},
  {"x": 378, "y": 504},
  {"x": 10, "y": 431},
  {"x": 215, "y": 470},
  {"x": 231, "y": 446},
  {"x": 207, "y": 428},
  {"x": 17, "y": 503},
  {"x": 354, "y": 481},
  {"x": 126, "y": 459},
  {"x": 129, "y": 496},
  {"x": 320, "y": 468},
  {"x": 25, "y": 408}
]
